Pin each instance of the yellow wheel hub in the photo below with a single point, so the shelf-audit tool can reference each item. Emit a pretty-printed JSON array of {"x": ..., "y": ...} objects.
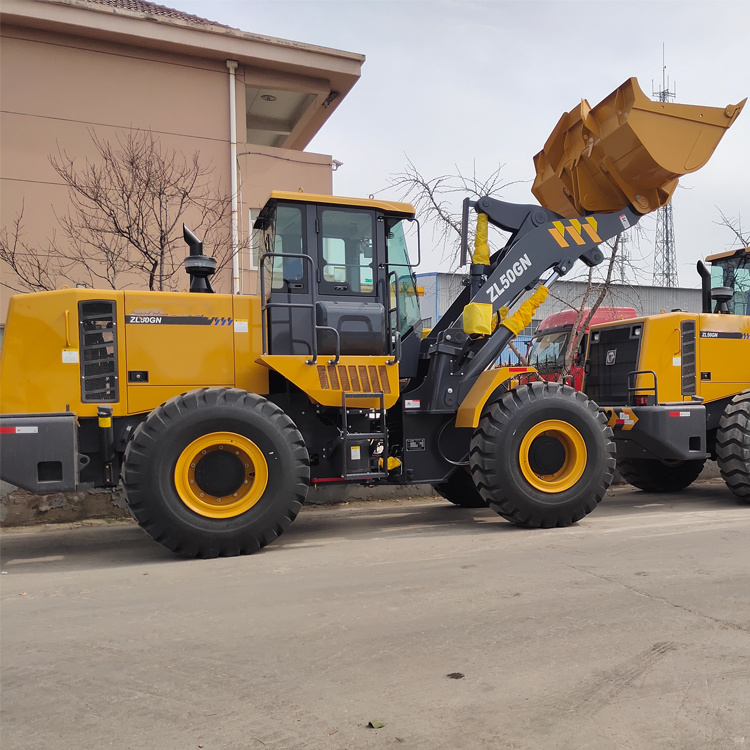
[
  {"x": 221, "y": 475},
  {"x": 552, "y": 456}
]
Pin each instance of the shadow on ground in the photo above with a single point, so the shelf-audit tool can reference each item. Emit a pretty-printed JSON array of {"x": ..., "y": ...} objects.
[{"x": 122, "y": 543}]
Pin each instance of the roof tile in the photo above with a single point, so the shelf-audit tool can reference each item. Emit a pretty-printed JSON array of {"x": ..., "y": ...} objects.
[{"x": 152, "y": 9}]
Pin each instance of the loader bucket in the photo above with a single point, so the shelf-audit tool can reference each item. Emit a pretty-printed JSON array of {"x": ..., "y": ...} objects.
[{"x": 627, "y": 150}]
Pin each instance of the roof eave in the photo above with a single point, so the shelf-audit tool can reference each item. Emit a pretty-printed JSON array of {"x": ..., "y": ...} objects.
[{"x": 76, "y": 17}]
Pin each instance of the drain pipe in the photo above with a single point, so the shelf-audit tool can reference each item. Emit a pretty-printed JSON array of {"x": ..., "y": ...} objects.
[{"x": 232, "y": 65}]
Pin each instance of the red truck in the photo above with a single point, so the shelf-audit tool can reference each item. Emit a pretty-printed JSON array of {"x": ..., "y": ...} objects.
[{"x": 547, "y": 347}]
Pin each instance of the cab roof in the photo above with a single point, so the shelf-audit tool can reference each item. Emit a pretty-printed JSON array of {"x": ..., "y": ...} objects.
[
  {"x": 738, "y": 252},
  {"x": 390, "y": 207}
]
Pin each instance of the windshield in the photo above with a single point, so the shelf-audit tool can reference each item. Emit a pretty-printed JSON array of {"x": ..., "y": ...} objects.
[
  {"x": 398, "y": 263},
  {"x": 548, "y": 350},
  {"x": 735, "y": 274}
]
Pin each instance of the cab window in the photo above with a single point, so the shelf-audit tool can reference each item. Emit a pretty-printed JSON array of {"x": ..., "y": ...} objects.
[
  {"x": 284, "y": 235},
  {"x": 398, "y": 262},
  {"x": 347, "y": 240}
]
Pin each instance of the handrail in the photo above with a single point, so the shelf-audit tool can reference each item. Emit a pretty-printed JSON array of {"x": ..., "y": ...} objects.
[
  {"x": 394, "y": 334},
  {"x": 632, "y": 390},
  {"x": 309, "y": 305}
]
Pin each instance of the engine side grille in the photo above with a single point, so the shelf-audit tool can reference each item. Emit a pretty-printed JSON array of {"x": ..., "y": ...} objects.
[
  {"x": 612, "y": 355},
  {"x": 97, "y": 320},
  {"x": 688, "y": 358}
]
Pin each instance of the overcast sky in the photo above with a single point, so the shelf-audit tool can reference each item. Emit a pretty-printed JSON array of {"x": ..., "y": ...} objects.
[{"x": 450, "y": 83}]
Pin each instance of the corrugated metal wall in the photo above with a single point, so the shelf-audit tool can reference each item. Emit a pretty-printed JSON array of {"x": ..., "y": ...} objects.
[{"x": 442, "y": 288}]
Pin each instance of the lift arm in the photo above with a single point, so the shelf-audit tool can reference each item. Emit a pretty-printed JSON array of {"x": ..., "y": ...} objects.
[{"x": 601, "y": 169}]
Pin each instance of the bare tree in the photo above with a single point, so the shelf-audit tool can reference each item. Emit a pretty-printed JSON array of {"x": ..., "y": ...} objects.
[
  {"x": 33, "y": 270},
  {"x": 128, "y": 205},
  {"x": 599, "y": 284},
  {"x": 592, "y": 300},
  {"x": 734, "y": 224},
  {"x": 438, "y": 201}
]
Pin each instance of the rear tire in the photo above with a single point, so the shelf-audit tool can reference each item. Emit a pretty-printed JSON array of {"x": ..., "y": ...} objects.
[
  {"x": 733, "y": 445},
  {"x": 653, "y": 475},
  {"x": 461, "y": 490},
  {"x": 216, "y": 472},
  {"x": 542, "y": 455}
]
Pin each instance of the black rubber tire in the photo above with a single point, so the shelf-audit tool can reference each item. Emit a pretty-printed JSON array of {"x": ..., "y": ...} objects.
[
  {"x": 496, "y": 455},
  {"x": 733, "y": 445},
  {"x": 161, "y": 440},
  {"x": 461, "y": 490},
  {"x": 653, "y": 475}
]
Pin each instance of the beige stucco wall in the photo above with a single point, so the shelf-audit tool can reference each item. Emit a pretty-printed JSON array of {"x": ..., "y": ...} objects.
[{"x": 56, "y": 89}]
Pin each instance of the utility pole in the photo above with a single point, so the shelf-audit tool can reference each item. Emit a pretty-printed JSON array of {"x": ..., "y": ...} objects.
[{"x": 665, "y": 255}]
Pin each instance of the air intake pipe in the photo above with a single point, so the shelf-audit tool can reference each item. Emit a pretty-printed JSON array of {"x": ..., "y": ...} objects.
[{"x": 198, "y": 265}]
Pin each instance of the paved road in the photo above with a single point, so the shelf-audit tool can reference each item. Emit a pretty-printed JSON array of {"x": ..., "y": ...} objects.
[{"x": 455, "y": 629}]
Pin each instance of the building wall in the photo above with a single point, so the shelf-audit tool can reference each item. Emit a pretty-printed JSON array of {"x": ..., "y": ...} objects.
[{"x": 58, "y": 90}]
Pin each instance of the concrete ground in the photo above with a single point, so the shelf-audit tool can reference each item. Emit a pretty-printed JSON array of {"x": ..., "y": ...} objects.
[{"x": 451, "y": 627}]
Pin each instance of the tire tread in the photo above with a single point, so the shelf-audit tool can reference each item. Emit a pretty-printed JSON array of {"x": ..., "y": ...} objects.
[
  {"x": 136, "y": 480},
  {"x": 733, "y": 445},
  {"x": 517, "y": 509}
]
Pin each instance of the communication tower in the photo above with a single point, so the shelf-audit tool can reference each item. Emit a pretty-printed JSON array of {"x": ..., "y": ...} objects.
[{"x": 665, "y": 255}]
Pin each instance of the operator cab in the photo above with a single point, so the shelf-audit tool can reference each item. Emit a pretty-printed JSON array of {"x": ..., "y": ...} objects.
[
  {"x": 730, "y": 281},
  {"x": 336, "y": 277}
]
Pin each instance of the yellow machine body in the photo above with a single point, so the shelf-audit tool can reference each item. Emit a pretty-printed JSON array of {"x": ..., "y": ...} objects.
[
  {"x": 625, "y": 150},
  {"x": 163, "y": 348},
  {"x": 325, "y": 382},
  {"x": 722, "y": 354}
]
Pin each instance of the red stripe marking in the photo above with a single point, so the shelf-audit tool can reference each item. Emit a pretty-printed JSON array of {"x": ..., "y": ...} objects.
[
  {"x": 518, "y": 369},
  {"x": 7, "y": 430}
]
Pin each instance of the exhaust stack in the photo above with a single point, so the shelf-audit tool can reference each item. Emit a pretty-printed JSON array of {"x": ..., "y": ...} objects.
[{"x": 198, "y": 265}]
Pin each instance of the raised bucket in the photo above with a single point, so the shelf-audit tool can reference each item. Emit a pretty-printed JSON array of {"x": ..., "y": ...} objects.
[{"x": 627, "y": 150}]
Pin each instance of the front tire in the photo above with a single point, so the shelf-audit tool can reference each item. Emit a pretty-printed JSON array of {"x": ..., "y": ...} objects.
[
  {"x": 653, "y": 475},
  {"x": 733, "y": 445},
  {"x": 542, "y": 455},
  {"x": 460, "y": 490},
  {"x": 216, "y": 472}
]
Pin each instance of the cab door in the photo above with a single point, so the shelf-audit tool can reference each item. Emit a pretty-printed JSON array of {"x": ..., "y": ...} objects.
[{"x": 351, "y": 297}]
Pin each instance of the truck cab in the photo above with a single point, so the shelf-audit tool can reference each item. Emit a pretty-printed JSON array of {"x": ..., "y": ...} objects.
[{"x": 550, "y": 341}]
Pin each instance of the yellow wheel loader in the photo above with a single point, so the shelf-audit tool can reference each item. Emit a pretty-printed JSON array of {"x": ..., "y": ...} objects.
[
  {"x": 217, "y": 412},
  {"x": 676, "y": 387}
]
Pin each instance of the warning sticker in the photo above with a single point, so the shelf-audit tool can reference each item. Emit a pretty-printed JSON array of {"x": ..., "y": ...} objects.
[{"x": 70, "y": 356}]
